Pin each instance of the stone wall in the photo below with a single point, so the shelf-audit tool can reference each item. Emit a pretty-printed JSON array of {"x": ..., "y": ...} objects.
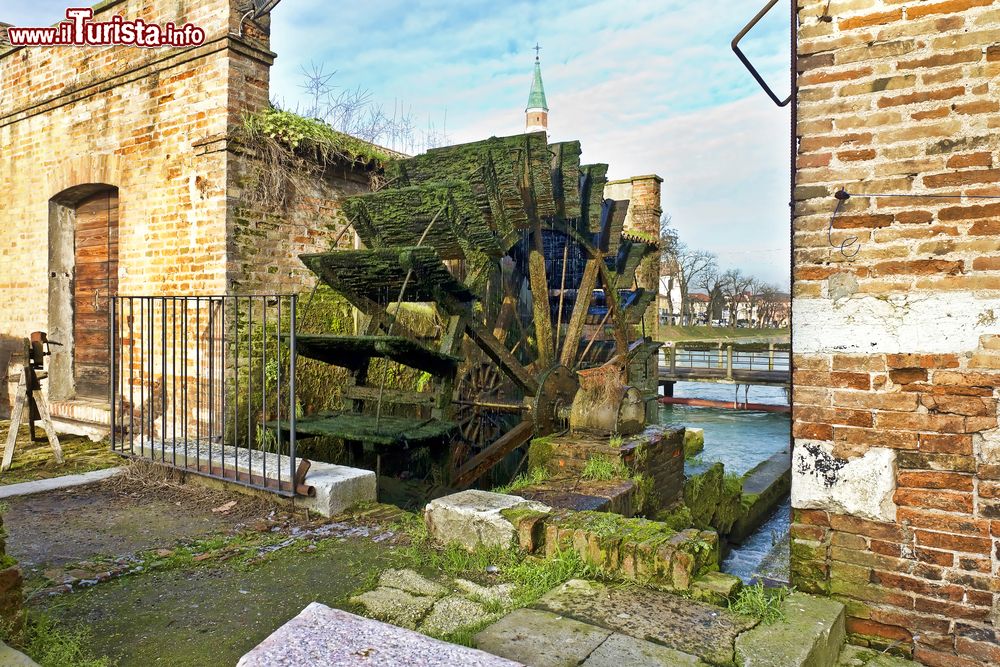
[{"x": 896, "y": 359}]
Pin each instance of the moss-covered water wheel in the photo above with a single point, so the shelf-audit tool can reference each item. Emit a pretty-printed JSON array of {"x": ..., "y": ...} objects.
[{"x": 512, "y": 242}]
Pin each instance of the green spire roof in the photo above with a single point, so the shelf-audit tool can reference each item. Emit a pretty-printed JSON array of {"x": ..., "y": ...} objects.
[{"x": 536, "y": 99}]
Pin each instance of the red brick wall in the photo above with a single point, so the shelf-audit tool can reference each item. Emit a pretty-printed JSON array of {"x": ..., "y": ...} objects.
[{"x": 896, "y": 484}]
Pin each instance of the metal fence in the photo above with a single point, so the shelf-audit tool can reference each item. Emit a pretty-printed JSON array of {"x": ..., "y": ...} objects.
[{"x": 202, "y": 382}]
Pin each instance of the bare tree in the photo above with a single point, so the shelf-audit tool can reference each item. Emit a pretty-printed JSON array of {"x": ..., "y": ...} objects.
[
  {"x": 755, "y": 300},
  {"x": 353, "y": 111},
  {"x": 691, "y": 265},
  {"x": 669, "y": 241},
  {"x": 734, "y": 285},
  {"x": 711, "y": 282}
]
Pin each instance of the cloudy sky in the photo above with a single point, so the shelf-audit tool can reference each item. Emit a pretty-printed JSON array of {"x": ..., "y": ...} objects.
[{"x": 648, "y": 86}]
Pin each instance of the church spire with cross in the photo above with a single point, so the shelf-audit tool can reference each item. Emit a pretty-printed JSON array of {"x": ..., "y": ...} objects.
[{"x": 537, "y": 111}]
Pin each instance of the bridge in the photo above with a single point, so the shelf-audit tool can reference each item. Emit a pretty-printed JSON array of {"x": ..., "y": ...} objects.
[{"x": 763, "y": 364}]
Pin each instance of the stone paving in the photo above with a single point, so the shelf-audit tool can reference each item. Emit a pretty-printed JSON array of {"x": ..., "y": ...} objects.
[
  {"x": 409, "y": 600},
  {"x": 688, "y": 626},
  {"x": 544, "y": 639},
  {"x": 320, "y": 635}
]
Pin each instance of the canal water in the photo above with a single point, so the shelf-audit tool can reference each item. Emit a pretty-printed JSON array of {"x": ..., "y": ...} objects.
[{"x": 741, "y": 440}]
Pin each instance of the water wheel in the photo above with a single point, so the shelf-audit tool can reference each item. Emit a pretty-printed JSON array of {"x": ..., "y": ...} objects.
[{"x": 511, "y": 241}]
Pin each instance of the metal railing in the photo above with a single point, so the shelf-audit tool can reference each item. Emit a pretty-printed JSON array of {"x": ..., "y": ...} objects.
[
  {"x": 197, "y": 379},
  {"x": 727, "y": 360}
]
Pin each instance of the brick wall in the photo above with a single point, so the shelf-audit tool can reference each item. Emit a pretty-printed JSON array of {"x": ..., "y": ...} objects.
[
  {"x": 896, "y": 361},
  {"x": 643, "y": 215}
]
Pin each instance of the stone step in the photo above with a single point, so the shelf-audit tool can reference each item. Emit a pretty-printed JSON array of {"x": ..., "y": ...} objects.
[
  {"x": 857, "y": 656},
  {"x": 695, "y": 628},
  {"x": 320, "y": 635},
  {"x": 10, "y": 657},
  {"x": 811, "y": 635},
  {"x": 544, "y": 639}
]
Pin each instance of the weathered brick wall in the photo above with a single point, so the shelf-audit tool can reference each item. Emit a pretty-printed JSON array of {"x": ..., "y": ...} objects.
[
  {"x": 151, "y": 122},
  {"x": 265, "y": 245},
  {"x": 896, "y": 363},
  {"x": 644, "y": 211}
]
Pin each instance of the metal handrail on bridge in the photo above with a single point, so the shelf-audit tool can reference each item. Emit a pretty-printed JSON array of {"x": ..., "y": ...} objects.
[{"x": 737, "y": 363}]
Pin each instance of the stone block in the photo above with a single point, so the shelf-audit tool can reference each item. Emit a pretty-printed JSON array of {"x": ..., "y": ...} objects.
[
  {"x": 715, "y": 587},
  {"x": 338, "y": 488},
  {"x": 320, "y": 635},
  {"x": 476, "y": 518},
  {"x": 620, "y": 650},
  {"x": 694, "y": 441},
  {"x": 541, "y": 639},
  {"x": 810, "y": 636},
  {"x": 673, "y": 621}
]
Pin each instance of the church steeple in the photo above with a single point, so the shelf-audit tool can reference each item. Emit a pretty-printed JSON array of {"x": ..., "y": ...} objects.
[{"x": 537, "y": 111}]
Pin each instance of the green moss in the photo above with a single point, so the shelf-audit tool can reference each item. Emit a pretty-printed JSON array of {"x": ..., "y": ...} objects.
[
  {"x": 646, "y": 497},
  {"x": 678, "y": 518},
  {"x": 540, "y": 453}
]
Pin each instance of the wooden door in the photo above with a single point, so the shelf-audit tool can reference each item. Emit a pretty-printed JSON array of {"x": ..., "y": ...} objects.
[{"x": 95, "y": 279}]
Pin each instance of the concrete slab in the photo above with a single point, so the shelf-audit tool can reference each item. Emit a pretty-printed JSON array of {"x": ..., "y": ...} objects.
[
  {"x": 398, "y": 607},
  {"x": 320, "y": 635},
  {"x": 810, "y": 636},
  {"x": 473, "y": 518},
  {"x": 765, "y": 486},
  {"x": 621, "y": 651},
  {"x": 53, "y": 483},
  {"x": 337, "y": 487},
  {"x": 453, "y": 613},
  {"x": 679, "y": 623},
  {"x": 541, "y": 639}
]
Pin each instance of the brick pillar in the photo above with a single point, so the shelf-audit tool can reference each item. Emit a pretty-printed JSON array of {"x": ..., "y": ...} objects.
[{"x": 644, "y": 211}]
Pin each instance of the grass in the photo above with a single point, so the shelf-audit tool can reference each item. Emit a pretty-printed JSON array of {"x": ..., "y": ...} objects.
[
  {"x": 524, "y": 480},
  {"x": 50, "y": 645},
  {"x": 603, "y": 468},
  {"x": 761, "y": 603},
  {"x": 34, "y": 460},
  {"x": 703, "y": 333}
]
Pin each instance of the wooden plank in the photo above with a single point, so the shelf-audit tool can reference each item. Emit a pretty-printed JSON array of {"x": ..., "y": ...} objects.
[
  {"x": 20, "y": 399},
  {"x": 578, "y": 317},
  {"x": 481, "y": 463},
  {"x": 50, "y": 431},
  {"x": 391, "y": 396},
  {"x": 540, "y": 304}
]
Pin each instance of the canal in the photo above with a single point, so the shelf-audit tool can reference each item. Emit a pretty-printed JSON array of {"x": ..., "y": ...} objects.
[{"x": 741, "y": 440}]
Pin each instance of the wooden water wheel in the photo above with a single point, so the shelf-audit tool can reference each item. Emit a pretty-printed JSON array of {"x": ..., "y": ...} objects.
[{"x": 512, "y": 242}]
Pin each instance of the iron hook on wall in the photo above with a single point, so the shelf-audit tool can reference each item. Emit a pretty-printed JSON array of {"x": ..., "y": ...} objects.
[{"x": 746, "y": 61}]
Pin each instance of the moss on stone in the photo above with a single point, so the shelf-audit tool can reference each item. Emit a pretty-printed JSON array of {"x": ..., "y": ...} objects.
[
  {"x": 677, "y": 518},
  {"x": 540, "y": 453}
]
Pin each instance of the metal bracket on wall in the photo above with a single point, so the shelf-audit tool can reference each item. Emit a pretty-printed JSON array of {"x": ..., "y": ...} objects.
[{"x": 746, "y": 61}]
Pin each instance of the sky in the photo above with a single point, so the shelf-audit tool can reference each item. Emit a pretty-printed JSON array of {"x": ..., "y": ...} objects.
[{"x": 647, "y": 86}]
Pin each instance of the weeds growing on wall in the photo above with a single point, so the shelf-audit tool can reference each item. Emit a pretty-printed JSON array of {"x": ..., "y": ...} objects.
[
  {"x": 291, "y": 149},
  {"x": 764, "y": 604},
  {"x": 603, "y": 468},
  {"x": 524, "y": 480}
]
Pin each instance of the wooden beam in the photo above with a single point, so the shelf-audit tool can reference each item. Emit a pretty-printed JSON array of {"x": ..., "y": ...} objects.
[
  {"x": 486, "y": 459},
  {"x": 576, "y": 320},
  {"x": 500, "y": 355}
]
